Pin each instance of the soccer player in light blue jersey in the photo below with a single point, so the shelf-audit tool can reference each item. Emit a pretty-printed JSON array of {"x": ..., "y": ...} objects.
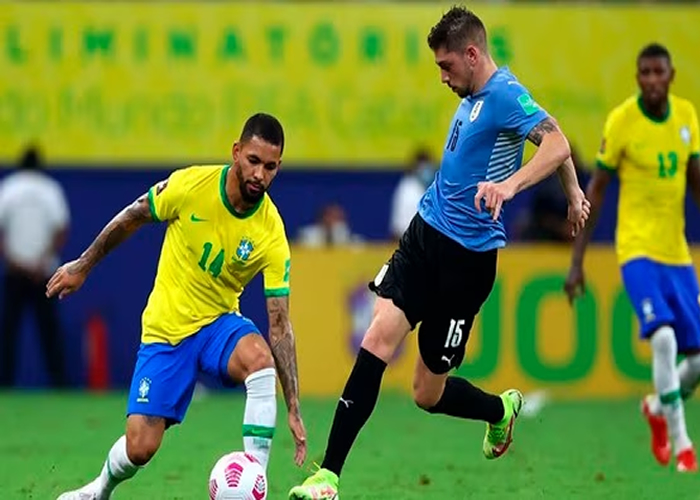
[{"x": 445, "y": 266}]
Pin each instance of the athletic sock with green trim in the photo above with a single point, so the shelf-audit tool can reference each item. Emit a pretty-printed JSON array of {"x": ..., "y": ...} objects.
[
  {"x": 260, "y": 414},
  {"x": 117, "y": 469},
  {"x": 667, "y": 383}
]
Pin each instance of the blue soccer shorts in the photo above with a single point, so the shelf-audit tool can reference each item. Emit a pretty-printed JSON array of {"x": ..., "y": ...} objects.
[
  {"x": 165, "y": 375},
  {"x": 662, "y": 294}
]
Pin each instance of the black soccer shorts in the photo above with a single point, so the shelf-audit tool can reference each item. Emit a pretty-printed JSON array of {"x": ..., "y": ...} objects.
[{"x": 439, "y": 283}]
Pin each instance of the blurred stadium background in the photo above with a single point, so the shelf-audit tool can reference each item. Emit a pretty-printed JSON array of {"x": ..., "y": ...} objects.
[{"x": 116, "y": 94}]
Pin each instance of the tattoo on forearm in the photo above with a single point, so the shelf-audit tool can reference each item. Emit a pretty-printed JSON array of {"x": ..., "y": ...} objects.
[
  {"x": 115, "y": 232},
  {"x": 546, "y": 126},
  {"x": 284, "y": 349}
]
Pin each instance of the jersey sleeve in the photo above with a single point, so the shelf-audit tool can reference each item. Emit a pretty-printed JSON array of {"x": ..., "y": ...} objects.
[
  {"x": 612, "y": 144},
  {"x": 520, "y": 111},
  {"x": 694, "y": 134},
  {"x": 166, "y": 197},
  {"x": 276, "y": 271}
]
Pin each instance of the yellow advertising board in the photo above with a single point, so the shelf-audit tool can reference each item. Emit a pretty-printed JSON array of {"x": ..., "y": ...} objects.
[
  {"x": 353, "y": 83},
  {"x": 527, "y": 336}
]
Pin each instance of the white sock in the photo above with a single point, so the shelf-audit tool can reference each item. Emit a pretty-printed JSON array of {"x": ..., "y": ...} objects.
[
  {"x": 117, "y": 469},
  {"x": 689, "y": 375},
  {"x": 667, "y": 383},
  {"x": 260, "y": 414}
]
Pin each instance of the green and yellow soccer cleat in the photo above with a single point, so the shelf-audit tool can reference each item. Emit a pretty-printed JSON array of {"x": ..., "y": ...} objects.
[
  {"x": 323, "y": 485},
  {"x": 499, "y": 436}
]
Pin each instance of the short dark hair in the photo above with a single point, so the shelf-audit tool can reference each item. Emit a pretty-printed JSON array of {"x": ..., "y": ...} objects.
[
  {"x": 654, "y": 50},
  {"x": 265, "y": 126},
  {"x": 457, "y": 27},
  {"x": 31, "y": 159}
]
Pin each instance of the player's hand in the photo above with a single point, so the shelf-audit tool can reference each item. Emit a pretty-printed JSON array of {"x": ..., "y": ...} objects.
[
  {"x": 494, "y": 195},
  {"x": 578, "y": 213},
  {"x": 299, "y": 433},
  {"x": 574, "y": 286},
  {"x": 67, "y": 279}
]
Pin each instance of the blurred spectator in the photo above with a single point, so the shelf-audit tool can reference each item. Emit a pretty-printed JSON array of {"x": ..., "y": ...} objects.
[
  {"x": 330, "y": 229},
  {"x": 546, "y": 218},
  {"x": 33, "y": 226},
  {"x": 409, "y": 191}
]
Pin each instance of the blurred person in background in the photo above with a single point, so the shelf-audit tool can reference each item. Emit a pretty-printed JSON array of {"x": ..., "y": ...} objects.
[
  {"x": 34, "y": 219},
  {"x": 409, "y": 191},
  {"x": 652, "y": 143},
  {"x": 330, "y": 230},
  {"x": 445, "y": 265},
  {"x": 545, "y": 220}
]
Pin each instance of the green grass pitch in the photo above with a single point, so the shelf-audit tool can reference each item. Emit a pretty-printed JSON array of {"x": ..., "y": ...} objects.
[{"x": 578, "y": 450}]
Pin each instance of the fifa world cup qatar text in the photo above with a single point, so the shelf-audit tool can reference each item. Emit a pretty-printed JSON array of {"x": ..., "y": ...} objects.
[
  {"x": 223, "y": 229},
  {"x": 445, "y": 265},
  {"x": 652, "y": 143}
]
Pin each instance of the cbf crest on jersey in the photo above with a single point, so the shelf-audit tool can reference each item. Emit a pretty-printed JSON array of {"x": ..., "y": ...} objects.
[
  {"x": 685, "y": 134},
  {"x": 245, "y": 248}
]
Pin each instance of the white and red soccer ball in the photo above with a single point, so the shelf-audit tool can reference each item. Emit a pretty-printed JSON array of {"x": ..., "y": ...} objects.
[{"x": 237, "y": 476}]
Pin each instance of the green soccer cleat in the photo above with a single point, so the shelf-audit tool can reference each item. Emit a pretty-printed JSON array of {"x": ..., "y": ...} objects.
[
  {"x": 323, "y": 485},
  {"x": 499, "y": 436}
]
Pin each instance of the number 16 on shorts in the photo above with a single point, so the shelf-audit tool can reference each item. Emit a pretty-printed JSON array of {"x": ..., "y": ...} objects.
[{"x": 454, "y": 335}]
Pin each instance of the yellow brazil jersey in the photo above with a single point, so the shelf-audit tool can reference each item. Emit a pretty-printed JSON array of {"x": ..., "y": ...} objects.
[
  {"x": 650, "y": 156},
  {"x": 210, "y": 253}
]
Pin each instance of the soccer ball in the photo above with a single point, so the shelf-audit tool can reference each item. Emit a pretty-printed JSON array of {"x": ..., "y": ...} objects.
[{"x": 237, "y": 476}]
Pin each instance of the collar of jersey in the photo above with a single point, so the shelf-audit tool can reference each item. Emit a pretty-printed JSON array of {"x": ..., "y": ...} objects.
[
  {"x": 655, "y": 119},
  {"x": 229, "y": 207},
  {"x": 489, "y": 82}
]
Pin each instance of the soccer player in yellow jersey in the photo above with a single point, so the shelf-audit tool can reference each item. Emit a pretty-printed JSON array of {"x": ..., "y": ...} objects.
[
  {"x": 652, "y": 143},
  {"x": 222, "y": 230}
]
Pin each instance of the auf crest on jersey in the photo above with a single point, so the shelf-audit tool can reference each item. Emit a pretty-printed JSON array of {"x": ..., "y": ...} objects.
[{"x": 245, "y": 248}]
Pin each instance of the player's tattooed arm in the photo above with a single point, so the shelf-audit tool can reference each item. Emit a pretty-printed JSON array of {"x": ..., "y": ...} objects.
[
  {"x": 70, "y": 277},
  {"x": 546, "y": 126},
  {"x": 693, "y": 178},
  {"x": 552, "y": 151},
  {"x": 123, "y": 225},
  {"x": 284, "y": 350}
]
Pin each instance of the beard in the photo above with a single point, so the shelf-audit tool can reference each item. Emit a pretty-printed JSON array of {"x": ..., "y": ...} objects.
[{"x": 249, "y": 195}]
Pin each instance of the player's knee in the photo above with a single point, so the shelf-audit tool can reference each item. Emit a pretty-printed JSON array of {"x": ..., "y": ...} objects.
[
  {"x": 142, "y": 443},
  {"x": 386, "y": 332},
  {"x": 251, "y": 355},
  {"x": 379, "y": 342},
  {"x": 663, "y": 342},
  {"x": 260, "y": 360}
]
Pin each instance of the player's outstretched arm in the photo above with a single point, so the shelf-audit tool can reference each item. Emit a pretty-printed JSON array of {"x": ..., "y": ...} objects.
[
  {"x": 595, "y": 192},
  {"x": 69, "y": 277},
  {"x": 283, "y": 348}
]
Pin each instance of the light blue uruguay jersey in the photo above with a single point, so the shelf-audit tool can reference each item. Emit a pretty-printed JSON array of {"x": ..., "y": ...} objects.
[{"x": 485, "y": 143}]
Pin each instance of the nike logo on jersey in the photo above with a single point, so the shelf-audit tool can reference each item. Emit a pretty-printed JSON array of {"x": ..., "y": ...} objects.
[{"x": 194, "y": 218}]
